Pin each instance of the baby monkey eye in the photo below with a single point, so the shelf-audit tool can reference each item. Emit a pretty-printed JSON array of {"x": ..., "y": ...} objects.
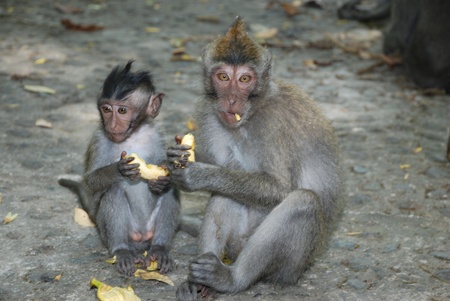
[
  {"x": 245, "y": 78},
  {"x": 106, "y": 109},
  {"x": 223, "y": 77},
  {"x": 122, "y": 110}
]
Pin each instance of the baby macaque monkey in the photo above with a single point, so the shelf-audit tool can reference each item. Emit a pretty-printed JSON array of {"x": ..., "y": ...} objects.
[
  {"x": 270, "y": 160},
  {"x": 131, "y": 216}
]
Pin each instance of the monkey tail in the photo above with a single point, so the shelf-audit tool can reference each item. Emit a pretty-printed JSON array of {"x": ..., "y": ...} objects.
[{"x": 82, "y": 194}]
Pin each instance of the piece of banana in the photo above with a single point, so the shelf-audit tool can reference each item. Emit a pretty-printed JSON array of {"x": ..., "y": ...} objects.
[
  {"x": 188, "y": 139},
  {"x": 237, "y": 116},
  {"x": 148, "y": 171}
]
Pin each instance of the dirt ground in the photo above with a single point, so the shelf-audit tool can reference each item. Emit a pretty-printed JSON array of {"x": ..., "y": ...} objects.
[{"x": 393, "y": 242}]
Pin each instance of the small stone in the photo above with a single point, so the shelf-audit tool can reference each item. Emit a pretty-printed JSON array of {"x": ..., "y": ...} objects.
[
  {"x": 360, "y": 199},
  {"x": 360, "y": 264},
  {"x": 389, "y": 248},
  {"x": 436, "y": 173},
  {"x": 357, "y": 284},
  {"x": 348, "y": 245},
  {"x": 443, "y": 275},
  {"x": 360, "y": 170},
  {"x": 438, "y": 194},
  {"x": 441, "y": 255},
  {"x": 371, "y": 186}
]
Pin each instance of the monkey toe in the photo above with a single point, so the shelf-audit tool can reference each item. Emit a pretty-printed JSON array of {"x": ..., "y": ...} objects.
[{"x": 188, "y": 291}]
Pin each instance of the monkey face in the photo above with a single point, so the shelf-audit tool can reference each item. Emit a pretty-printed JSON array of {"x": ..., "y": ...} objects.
[
  {"x": 117, "y": 119},
  {"x": 233, "y": 85}
]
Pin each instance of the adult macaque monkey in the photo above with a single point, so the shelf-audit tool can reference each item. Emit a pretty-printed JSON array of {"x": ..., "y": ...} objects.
[
  {"x": 418, "y": 31},
  {"x": 270, "y": 160},
  {"x": 130, "y": 217}
]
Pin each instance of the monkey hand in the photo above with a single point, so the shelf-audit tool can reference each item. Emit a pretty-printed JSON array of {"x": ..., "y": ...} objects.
[
  {"x": 196, "y": 176},
  {"x": 178, "y": 156},
  {"x": 131, "y": 171},
  {"x": 160, "y": 185},
  {"x": 161, "y": 255}
]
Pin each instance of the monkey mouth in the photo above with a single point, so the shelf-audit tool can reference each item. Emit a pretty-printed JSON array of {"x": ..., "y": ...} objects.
[
  {"x": 230, "y": 117},
  {"x": 117, "y": 137}
]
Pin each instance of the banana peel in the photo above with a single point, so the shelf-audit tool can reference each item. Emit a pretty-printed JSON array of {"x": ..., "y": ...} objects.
[
  {"x": 150, "y": 275},
  {"x": 148, "y": 171},
  {"x": 108, "y": 293},
  {"x": 188, "y": 139}
]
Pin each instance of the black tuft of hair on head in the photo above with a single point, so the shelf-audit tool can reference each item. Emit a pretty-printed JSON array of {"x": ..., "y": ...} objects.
[{"x": 121, "y": 82}]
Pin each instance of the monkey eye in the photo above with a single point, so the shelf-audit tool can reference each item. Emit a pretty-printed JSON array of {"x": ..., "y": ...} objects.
[
  {"x": 223, "y": 77},
  {"x": 245, "y": 78},
  {"x": 122, "y": 110},
  {"x": 106, "y": 109}
]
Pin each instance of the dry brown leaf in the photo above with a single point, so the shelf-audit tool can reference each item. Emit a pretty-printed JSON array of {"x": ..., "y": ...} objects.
[
  {"x": 267, "y": 33},
  {"x": 405, "y": 166},
  {"x": 68, "y": 9},
  {"x": 9, "y": 218},
  {"x": 58, "y": 277},
  {"x": 82, "y": 218},
  {"x": 209, "y": 19},
  {"x": 152, "y": 29},
  {"x": 353, "y": 233},
  {"x": 290, "y": 9},
  {"x": 310, "y": 64},
  {"x": 43, "y": 123},
  {"x": 80, "y": 27},
  {"x": 39, "y": 89},
  {"x": 153, "y": 276}
]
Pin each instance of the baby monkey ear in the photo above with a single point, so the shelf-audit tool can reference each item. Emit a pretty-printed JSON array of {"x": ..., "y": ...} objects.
[{"x": 154, "y": 105}]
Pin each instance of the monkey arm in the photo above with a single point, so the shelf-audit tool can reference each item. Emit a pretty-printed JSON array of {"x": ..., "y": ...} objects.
[{"x": 258, "y": 189}]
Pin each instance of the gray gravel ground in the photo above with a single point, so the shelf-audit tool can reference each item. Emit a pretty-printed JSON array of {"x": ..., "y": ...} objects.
[{"x": 393, "y": 242}]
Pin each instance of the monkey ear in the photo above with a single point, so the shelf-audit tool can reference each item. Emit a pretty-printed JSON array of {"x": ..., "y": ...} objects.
[{"x": 154, "y": 104}]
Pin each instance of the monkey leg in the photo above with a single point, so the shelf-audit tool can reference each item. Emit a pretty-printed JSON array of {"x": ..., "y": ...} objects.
[
  {"x": 167, "y": 220},
  {"x": 278, "y": 251},
  {"x": 113, "y": 222},
  {"x": 222, "y": 219}
]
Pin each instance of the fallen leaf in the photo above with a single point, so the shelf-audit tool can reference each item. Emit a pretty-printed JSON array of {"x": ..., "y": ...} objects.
[
  {"x": 43, "y": 123},
  {"x": 290, "y": 9},
  {"x": 418, "y": 150},
  {"x": 152, "y": 29},
  {"x": 153, "y": 276},
  {"x": 191, "y": 124},
  {"x": 108, "y": 293},
  {"x": 406, "y": 176},
  {"x": 9, "y": 218},
  {"x": 405, "y": 166},
  {"x": 19, "y": 76},
  {"x": 310, "y": 64},
  {"x": 68, "y": 9},
  {"x": 183, "y": 58},
  {"x": 267, "y": 33},
  {"x": 39, "y": 89},
  {"x": 81, "y": 87},
  {"x": 353, "y": 233},
  {"x": 82, "y": 218},
  {"x": 210, "y": 19},
  {"x": 58, "y": 277},
  {"x": 40, "y": 61},
  {"x": 80, "y": 27},
  {"x": 111, "y": 260}
]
